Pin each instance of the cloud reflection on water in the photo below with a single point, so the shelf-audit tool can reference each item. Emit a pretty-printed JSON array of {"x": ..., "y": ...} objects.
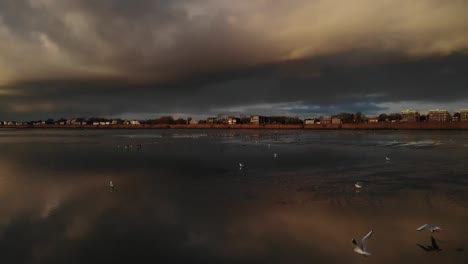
[{"x": 277, "y": 213}]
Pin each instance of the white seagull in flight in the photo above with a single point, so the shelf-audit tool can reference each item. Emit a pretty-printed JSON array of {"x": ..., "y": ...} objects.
[
  {"x": 362, "y": 248},
  {"x": 432, "y": 228}
]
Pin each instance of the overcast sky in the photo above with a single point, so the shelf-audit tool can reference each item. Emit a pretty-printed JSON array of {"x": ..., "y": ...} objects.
[{"x": 146, "y": 58}]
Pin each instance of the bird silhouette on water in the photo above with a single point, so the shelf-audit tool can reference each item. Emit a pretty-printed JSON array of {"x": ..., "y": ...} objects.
[{"x": 431, "y": 248}]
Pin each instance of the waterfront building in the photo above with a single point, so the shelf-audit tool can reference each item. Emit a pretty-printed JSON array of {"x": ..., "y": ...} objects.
[
  {"x": 309, "y": 121},
  {"x": 336, "y": 121},
  {"x": 410, "y": 116},
  {"x": 439, "y": 116},
  {"x": 464, "y": 115},
  {"x": 257, "y": 119},
  {"x": 73, "y": 121},
  {"x": 233, "y": 120},
  {"x": 211, "y": 120},
  {"x": 325, "y": 120},
  {"x": 373, "y": 120}
]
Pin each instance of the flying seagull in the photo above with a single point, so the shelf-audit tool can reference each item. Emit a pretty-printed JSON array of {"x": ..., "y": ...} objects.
[
  {"x": 432, "y": 228},
  {"x": 362, "y": 249},
  {"x": 433, "y": 247},
  {"x": 387, "y": 158},
  {"x": 358, "y": 185},
  {"x": 275, "y": 155}
]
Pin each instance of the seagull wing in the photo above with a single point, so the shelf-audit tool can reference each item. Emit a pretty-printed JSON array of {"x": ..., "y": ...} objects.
[
  {"x": 364, "y": 240},
  {"x": 422, "y": 227}
]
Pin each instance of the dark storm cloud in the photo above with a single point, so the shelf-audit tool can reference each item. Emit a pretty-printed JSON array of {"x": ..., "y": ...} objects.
[
  {"x": 114, "y": 57},
  {"x": 140, "y": 40},
  {"x": 263, "y": 90}
]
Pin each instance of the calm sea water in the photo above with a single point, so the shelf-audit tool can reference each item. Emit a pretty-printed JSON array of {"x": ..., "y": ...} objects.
[{"x": 183, "y": 198}]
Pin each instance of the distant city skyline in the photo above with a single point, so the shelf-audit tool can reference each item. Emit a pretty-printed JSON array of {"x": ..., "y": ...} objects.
[
  {"x": 304, "y": 116},
  {"x": 127, "y": 59}
]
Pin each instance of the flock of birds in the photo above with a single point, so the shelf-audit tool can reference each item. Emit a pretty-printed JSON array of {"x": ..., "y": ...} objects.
[{"x": 361, "y": 248}]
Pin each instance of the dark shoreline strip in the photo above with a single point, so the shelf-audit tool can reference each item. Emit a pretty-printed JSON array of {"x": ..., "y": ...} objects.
[{"x": 350, "y": 126}]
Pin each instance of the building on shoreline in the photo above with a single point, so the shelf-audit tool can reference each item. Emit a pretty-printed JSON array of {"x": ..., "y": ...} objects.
[
  {"x": 126, "y": 122},
  {"x": 233, "y": 120},
  {"x": 410, "y": 116},
  {"x": 326, "y": 120},
  {"x": 463, "y": 115},
  {"x": 336, "y": 121},
  {"x": 309, "y": 121},
  {"x": 211, "y": 120},
  {"x": 438, "y": 115},
  {"x": 257, "y": 119}
]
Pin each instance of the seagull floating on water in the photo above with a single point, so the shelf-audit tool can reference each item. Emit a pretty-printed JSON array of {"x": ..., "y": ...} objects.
[
  {"x": 358, "y": 185},
  {"x": 387, "y": 158},
  {"x": 111, "y": 185},
  {"x": 362, "y": 248},
  {"x": 432, "y": 228},
  {"x": 275, "y": 155},
  {"x": 432, "y": 247}
]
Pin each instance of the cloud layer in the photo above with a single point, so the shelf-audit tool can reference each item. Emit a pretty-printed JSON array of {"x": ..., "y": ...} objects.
[{"x": 110, "y": 49}]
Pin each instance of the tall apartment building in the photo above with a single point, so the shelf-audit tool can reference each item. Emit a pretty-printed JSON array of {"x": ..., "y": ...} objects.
[
  {"x": 409, "y": 116},
  {"x": 439, "y": 116},
  {"x": 464, "y": 115}
]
